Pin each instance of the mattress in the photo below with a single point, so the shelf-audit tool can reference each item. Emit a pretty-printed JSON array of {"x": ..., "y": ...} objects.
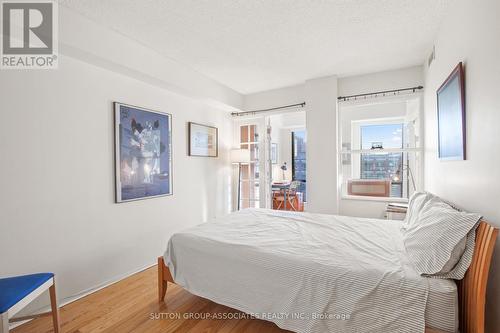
[
  {"x": 311, "y": 272},
  {"x": 441, "y": 311}
]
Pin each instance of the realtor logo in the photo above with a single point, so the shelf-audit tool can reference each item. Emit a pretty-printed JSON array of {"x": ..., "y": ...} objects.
[{"x": 29, "y": 35}]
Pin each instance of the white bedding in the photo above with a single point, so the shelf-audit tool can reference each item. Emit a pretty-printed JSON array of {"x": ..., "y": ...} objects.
[{"x": 311, "y": 272}]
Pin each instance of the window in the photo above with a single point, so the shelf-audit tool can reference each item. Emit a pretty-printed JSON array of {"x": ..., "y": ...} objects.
[
  {"x": 382, "y": 166},
  {"x": 299, "y": 162},
  {"x": 249, "y": 186},
  {"x": 380, "y": 149}
]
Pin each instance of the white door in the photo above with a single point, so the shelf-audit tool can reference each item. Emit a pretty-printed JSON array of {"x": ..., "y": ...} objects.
[{"x": 250, "y": 134}]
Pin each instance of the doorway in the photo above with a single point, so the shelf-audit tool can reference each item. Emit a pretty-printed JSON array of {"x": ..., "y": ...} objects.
[{"x": 287, "y": 142}]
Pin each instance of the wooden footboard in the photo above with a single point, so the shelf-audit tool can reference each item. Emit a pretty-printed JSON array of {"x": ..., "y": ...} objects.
[
  {"x": 164, "y": 277},
  {"x": 471, "y": 290}
]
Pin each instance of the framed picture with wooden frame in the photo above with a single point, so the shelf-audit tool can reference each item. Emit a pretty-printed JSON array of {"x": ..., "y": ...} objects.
[
  {"x": 451, "y": 116},
  {"x": 203, "y": 140}
]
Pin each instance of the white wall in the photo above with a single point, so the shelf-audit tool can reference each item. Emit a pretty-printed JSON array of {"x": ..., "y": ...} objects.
[
  {"x": 361, "y": 207},
  {"x": 470, "y": 34},
  {"x": 387, "y": 80},
  {"x": 276, "y": 124},
  {"x": 349, "y": 85},
  {"x": 285, "y": 148},
  {"x": 321, "y": 126},
  {"x": 57, "y": 175},
  {"x": 273, "y": 98},
  {"x": 83, "y": 39}
]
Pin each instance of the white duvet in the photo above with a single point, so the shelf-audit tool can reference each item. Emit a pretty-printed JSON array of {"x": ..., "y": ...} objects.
[{"x": 305, "y": 272}]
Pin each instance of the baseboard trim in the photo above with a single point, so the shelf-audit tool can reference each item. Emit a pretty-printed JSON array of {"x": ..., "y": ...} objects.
[{"x": 83, "y": 293}]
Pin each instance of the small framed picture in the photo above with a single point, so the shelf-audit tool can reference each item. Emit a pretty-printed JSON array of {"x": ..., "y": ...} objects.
[
  {"x": 451, "y": 116},
  {"x": 274, "y": 153},
  {"x": 143, "y": 153},
  {"x": 203, "y": 140}
]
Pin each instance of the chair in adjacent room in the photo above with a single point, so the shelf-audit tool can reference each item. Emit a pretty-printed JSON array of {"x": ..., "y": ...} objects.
[{"x": 288, "y": 196}]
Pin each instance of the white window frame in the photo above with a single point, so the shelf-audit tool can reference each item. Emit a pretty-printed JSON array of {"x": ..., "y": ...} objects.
[{"x": 375, "y": 121}]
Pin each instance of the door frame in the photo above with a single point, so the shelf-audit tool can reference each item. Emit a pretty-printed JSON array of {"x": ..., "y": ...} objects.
[{"x": 261, "y": 130}]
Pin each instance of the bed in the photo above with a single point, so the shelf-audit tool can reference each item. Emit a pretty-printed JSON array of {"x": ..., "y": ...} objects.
[{"x": 315, "y": 273}]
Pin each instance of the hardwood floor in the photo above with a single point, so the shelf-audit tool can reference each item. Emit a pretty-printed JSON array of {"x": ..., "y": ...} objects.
[{"x": 131, "y": 305}]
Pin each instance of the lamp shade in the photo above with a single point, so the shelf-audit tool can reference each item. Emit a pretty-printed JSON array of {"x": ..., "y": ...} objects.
[
  {"x": 397, "y": 176},
  {"x": 240, "y": 155}
]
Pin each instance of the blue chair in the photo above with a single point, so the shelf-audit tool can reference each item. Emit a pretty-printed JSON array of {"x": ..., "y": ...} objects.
[{"x": 17, "y": 292}]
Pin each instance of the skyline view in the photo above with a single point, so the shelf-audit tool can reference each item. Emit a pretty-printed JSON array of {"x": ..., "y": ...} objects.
[{"x": 382, "y": 166}]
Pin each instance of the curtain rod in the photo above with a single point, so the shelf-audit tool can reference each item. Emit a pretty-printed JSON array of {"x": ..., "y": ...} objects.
[
  {"x": 246, "y": 113},
  {"x": 375, "y": 94}
]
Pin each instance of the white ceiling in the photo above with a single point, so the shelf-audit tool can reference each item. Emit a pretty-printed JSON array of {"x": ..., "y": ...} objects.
[{"x": 256, "y": 45}]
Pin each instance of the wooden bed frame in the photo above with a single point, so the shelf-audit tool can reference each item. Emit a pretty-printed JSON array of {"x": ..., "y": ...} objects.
[{"x": 471, "y": 290}]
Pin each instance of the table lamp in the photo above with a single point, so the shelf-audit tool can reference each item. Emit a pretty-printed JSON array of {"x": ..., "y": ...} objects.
[
  {"x": 397, "y": 175},
  {"x": 284, "y": 168}
]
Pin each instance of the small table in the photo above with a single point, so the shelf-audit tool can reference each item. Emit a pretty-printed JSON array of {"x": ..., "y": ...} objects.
[{"x": 396, "y": 211}]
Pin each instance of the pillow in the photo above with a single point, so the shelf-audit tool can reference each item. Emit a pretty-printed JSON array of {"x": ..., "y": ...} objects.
[
  {"x": 456, "y": 254},
  {"x": 415, "y": 205},
  {"x": 461, "y": 256},
  {"x": 458, "y": 271},
  {"x": 434, "y": 240},
  {"x": 462, "y": 253}
]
